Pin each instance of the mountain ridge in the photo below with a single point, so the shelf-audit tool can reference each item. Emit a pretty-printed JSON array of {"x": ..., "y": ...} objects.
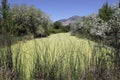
[{"x": 70, "y": 20}]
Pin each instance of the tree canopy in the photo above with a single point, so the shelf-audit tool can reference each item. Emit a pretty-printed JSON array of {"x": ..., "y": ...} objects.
[{"x": 105, "y": 12}]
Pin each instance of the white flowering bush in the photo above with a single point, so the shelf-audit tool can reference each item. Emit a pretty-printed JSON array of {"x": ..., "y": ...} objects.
[
  {"x": 95, "y": 25},
  {"x": 114, "y": 22},
  {"x": 91, "y": 25},
  {"x": 113, "y": 30}
]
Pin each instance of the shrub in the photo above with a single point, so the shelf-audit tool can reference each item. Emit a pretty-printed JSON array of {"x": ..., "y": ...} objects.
[{"x": 90, "y": 26}]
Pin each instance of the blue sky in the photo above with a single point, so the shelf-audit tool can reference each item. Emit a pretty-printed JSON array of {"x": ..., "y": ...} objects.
[{"x": 61, "y": 9}]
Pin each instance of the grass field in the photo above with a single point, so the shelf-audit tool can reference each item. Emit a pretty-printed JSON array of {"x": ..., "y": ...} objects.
[{"x": 57, "y": 56}]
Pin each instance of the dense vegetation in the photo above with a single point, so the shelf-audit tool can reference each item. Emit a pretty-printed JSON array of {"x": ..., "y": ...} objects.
[
  {"x": 103, "y": 28},
  {"x": 95, "y": 55},
  {"x": 105, "y": 12},
  {"x": 23, "y": 20},
  {"x": 97, "y": 28},
  {"x": 59, "y": 56}
]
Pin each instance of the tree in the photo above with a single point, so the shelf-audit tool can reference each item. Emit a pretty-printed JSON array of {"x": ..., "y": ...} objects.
[
  {"x": 28, "y": 19},
  {"x": 5, "y": 13},
  {"x": 57, "y": 25},
  {"x": 105, "y": 12},
  {"x": 60, "y": 28}
]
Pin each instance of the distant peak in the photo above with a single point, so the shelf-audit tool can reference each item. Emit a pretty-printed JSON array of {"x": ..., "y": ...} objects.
[{"x": 70, "y": 20}]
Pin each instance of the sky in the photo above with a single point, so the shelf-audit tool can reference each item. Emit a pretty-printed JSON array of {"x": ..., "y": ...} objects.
[{"x": 62, "y": 9}]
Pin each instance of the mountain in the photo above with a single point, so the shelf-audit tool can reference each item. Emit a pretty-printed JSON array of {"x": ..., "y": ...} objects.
[{"x": 72, "y": 19}]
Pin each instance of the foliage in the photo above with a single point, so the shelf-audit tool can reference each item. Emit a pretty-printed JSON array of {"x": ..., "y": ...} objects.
[
  {"x": 105, "y": 12},
  {"x": 29, "y": 18},
  {"x": 58, "y": 27},
  {"x": 40, "y": 32},
  {"x": 59, "y": 56},
  {"x": 24, "y": 20},
  {"x": 107, "y": 32},
  {"x": 113, "y": 29},
  {"x": 5, "y": 17},
  {"x": 113, "y": 35},
  {"x": 88, "y": 26}
]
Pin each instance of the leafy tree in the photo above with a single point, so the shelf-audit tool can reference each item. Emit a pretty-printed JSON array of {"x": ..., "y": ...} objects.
[
  {"x": 57, "y": 25},
  {"x": 28, "y": 19},
  {"x": 32, "y": 19},
  {"x": 105, "y": 12},
  {"x": 4, "y": 13},
  {"x": 61, "y": 28},
  {"x": 66, "y": 28}
]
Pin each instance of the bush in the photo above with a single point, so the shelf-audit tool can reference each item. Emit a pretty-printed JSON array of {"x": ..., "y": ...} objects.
[
  {"x": 113, "y": 36},
  {"x": 40, "y": 32},
  {"x": 53, "y": 30},
  {"x": 90, "y": 26}
]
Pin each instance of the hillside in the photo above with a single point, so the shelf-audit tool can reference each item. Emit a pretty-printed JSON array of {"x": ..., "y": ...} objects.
[{"x": 72, "y": 19}]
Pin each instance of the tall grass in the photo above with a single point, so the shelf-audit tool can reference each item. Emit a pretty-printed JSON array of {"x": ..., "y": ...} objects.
[
  {"x": 60, "y": 57},
  {"x": 10, "y": 64},
  {"x": 62, "y": 61}
]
